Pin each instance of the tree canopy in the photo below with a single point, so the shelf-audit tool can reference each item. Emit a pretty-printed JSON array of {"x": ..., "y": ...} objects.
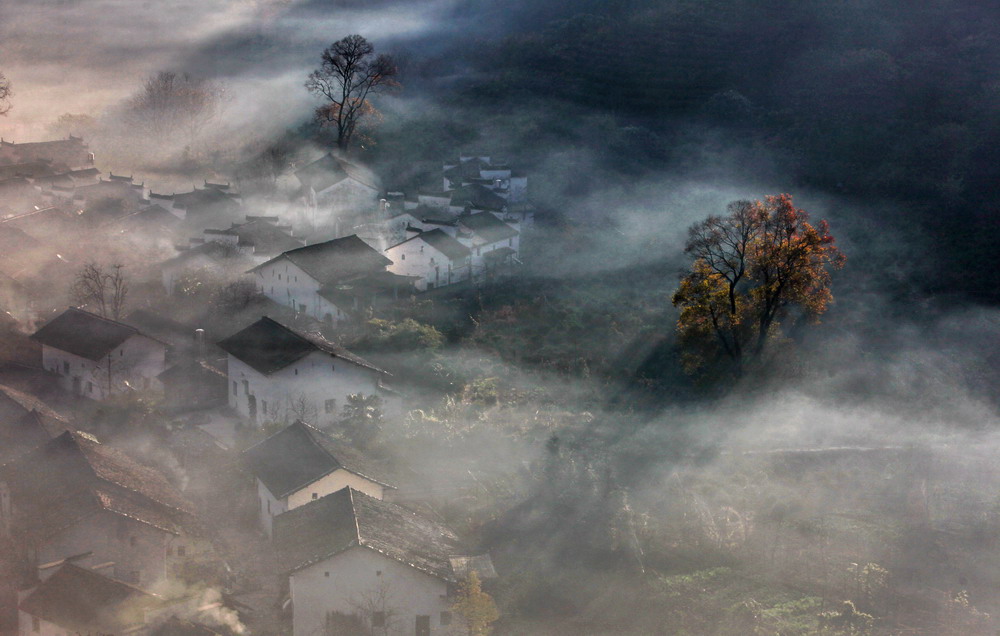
[
  {"x": 5, "y": 93},
  {"x": 350, "y": 72},
  {"x": 168, "y": 102},
  {"x": 475, "y": 606},
  {"x": 761, "y": 263}
]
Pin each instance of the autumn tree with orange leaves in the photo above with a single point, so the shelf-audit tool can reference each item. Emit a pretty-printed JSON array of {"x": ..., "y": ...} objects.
[{"x": 761, "y": 264}]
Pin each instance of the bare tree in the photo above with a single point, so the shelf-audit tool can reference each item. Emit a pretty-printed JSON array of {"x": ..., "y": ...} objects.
[
  {"x": 349, "y": 74},
  {"x": 103, "y": 289},
  {"x": 375, "y": 608},
  {"x": 168, "y": 102},
  {"x": 5, "y": 94}
]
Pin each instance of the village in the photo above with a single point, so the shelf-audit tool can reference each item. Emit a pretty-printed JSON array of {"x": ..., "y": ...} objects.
[{"x": 173, "y": 463}]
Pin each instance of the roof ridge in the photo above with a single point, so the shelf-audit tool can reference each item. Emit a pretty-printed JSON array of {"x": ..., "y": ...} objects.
[
  {"x": 79, "y": 434},
  {"x": 312, "y": 431},
  {"x": 99, "y": 317},
  {"x": 354, "y": 515}
]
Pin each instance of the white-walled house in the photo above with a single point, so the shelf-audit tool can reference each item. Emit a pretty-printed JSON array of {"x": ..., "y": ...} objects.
[
  {"x": 478, "y": 169},
  {"x": 330, "y": 280},
  {"x": 96, "y": 357},
  {"x": 333, "y": 186},
  {"x": 494, "y": 244},
  {"x": 73, "y": 495},
  {"x": 434, "y": 256},
  {"x": 275, "y": 372},
  {"x": 350, "y": 555},
  {"x": 300, "y": 463}
]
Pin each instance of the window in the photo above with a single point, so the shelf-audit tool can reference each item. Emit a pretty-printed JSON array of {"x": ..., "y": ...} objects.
[
  {"x": 378, "y": 619},
  {"x": 510, "y": 242},
  {"x": 296, "y": 372},
  {"x": 170, "y": 550},
  {"x": 90, "y": 387},
  {"x": 445, "y": 618},
  {"x": 315, "y": 495},
  {"x": 330, "y": 406},
  {"x": 65, "y": 367},
  {"x": 235, "y": 388},
  {"x": 269, "y": 506},
  {"x": 279, "y": 276},
  {"x": 263, "y": 403},
  {"x": 132, "y": 541},
  {"x": 121, "y": 352},
  {"x": 402, "y": 257},
  {"x": 134, "y": 576},
  {"x": 326, "y": 574},
  {"x": 423, "y": 626},
  {"x": 181, "y": 551}
]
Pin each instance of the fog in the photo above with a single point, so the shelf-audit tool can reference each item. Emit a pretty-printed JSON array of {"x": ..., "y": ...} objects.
[{"x": 549, "y": 420}]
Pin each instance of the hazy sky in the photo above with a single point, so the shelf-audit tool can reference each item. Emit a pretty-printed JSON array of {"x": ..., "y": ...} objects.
[{"x": 81, "y": 56}]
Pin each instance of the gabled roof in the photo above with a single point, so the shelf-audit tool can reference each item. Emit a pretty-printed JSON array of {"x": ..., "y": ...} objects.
[
  {"x": 477, "y": 196},
  {"x": 347, "y": 518},
  {"x": 269, "y": 346},
  {"x": 199, "y": 200},
  {"x": 299, "y": 455},
  {"x": 442, "y": 242},
  {"x": 15, "y": 404},
  {"x": 265, "y": 237},
  {"x": 25, "y": 422},
  {"x": 84, "y": 334},
  {"x": 83, "y": 601},
  {"x": 220, "y": 253},
  {"x": 27, "y": 432},
  {"x": 332, "y": 261},
  {"x": 192, "y": 371},
  {"x": 329, "y": 170},
  {"x": 488, "y": 227},
  {"x": 73, "y": 476}
]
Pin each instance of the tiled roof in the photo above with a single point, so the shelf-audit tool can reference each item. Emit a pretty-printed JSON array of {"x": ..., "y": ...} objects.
[
  {"x": 442, "y": 242},
  {"x": 299, "y": 454},
  {"x": 332, "y": 261},
  {"x": 477, "y": 196},
  {"x": 83, "y": 601},
  {"x": 347, "y": 518},
  {"x": 84, "y": 334},
  {"x": 269, "y": 346},
  {"x": 329, "y": 170},
  {"x": 488, "y": 227},
  {"x": 73, "y": 476}
]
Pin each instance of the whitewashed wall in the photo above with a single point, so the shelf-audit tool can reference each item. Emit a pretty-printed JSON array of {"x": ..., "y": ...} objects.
[{"x": 349, "y": 581}]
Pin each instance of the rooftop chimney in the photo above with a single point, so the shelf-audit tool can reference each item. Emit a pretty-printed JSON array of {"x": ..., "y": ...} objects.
[{"x": 199, "y": 343}]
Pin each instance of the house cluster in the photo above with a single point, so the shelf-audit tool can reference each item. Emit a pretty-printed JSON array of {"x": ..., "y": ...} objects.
[
  {"x": 89, "y": 518},
  {"x": 108, "y": 543},
  {"x": 112, "y": 541}
]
